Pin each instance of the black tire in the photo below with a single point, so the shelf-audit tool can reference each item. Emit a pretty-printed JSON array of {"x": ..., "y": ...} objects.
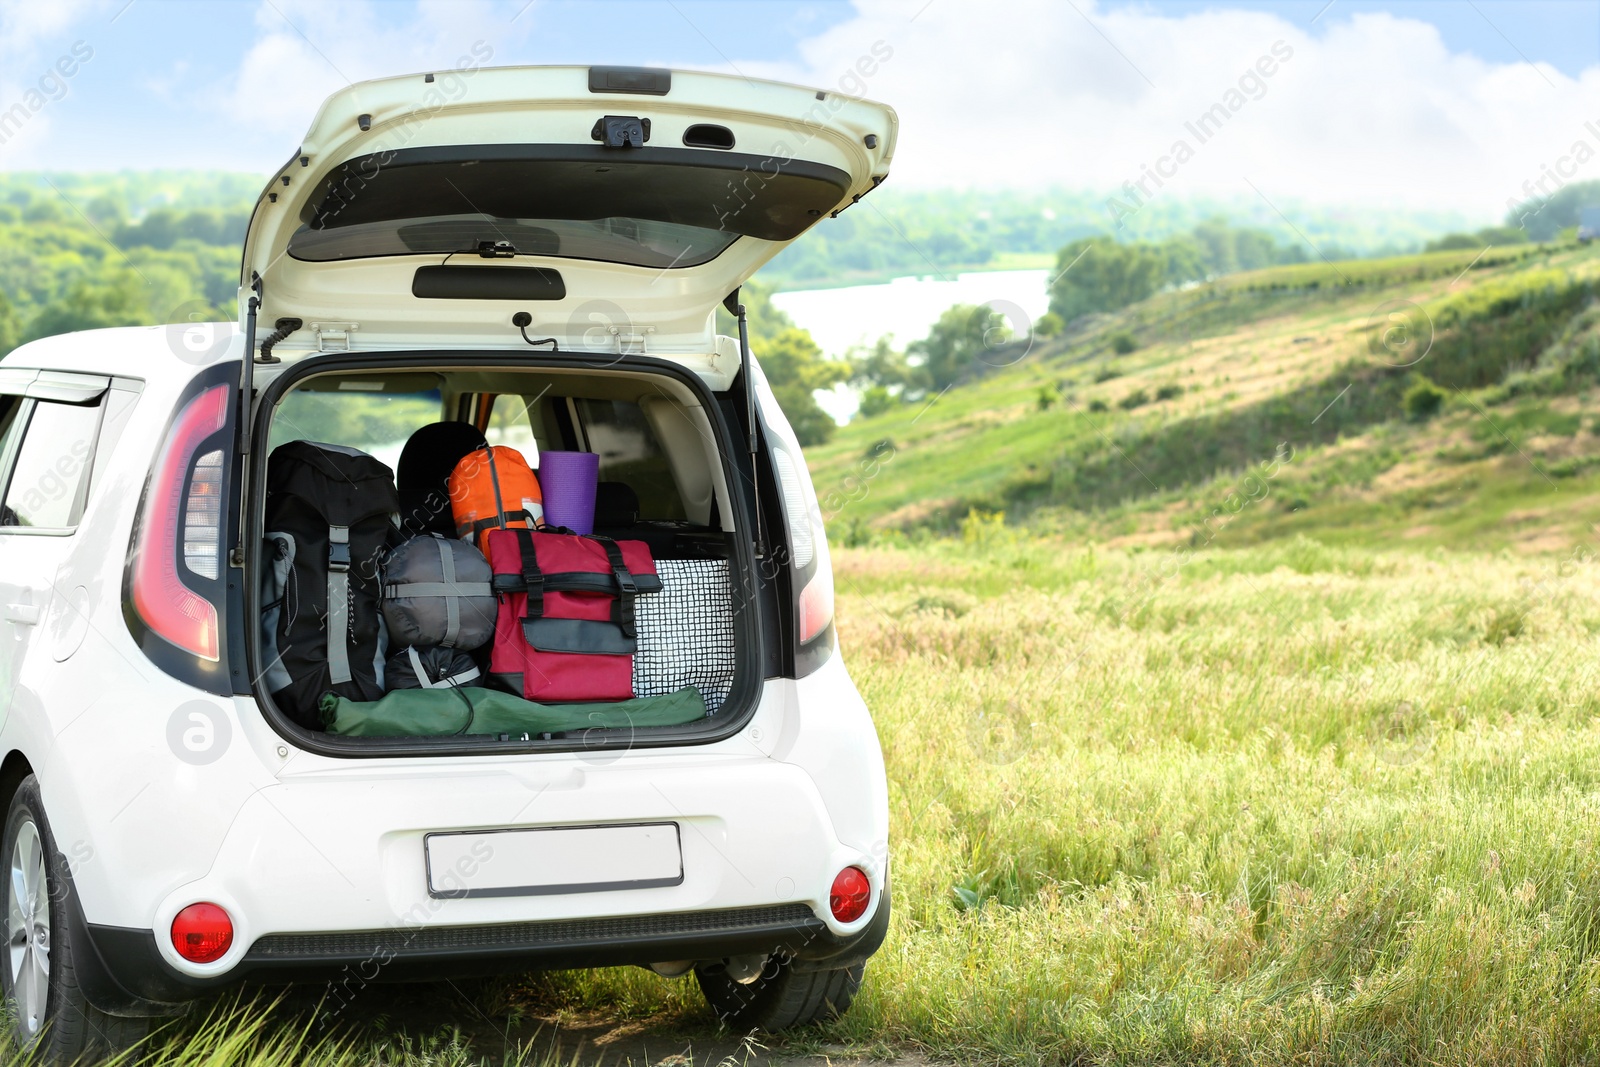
[
  {"x": 781, "y": 998},
  {"x": 68, "y": 1027}
]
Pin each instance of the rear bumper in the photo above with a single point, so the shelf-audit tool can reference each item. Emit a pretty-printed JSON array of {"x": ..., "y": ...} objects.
[{"x": 132, "y": 977}]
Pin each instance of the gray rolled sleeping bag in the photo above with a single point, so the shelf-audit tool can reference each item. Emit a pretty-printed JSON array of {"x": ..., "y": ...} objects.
[{"x": 436, "y": 591}]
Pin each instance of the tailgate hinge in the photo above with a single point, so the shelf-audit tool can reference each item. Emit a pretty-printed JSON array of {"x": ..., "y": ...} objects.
[
  {"x": 630, "y": 342},
  {"x": 334, "y": 336}
]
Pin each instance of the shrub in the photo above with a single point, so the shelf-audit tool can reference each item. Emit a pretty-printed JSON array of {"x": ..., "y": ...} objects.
[
  {"x": 1097, "y": 405},
  {"x": 1048, "y": 325},
  {"x": 1108, "y": 372},
  {"x": 1169, "y": 391},
  {"x": 983, "y": 527},
  {"x": 1047, "y": 396},
  {"x": 1122, "y": 342},
  {"x": 1135, "y": 399},
  {"x": 1422, "y": 400},
  {"x": 876, "y": 400}
]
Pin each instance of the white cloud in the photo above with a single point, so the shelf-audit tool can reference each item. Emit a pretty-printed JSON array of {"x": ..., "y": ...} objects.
[
  {"x": 309, "y": 49},
  {"x": 1369, "y": 108},
  {"x": 28, "y": 79}
]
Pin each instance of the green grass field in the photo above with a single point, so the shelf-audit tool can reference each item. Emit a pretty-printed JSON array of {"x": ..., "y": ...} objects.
[{"x": 1290, "y": 804}]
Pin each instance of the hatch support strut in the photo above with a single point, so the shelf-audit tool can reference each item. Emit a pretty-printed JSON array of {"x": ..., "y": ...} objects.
[
  {"x": 736, "y": 309},
  {"x": 246, "y": 375}
]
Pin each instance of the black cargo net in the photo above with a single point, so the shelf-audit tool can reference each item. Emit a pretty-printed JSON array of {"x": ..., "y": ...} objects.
[{"x": 686, "y": 632}]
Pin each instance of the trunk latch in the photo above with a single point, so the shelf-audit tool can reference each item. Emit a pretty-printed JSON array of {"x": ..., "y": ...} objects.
[{"x": 621, "y": 131}]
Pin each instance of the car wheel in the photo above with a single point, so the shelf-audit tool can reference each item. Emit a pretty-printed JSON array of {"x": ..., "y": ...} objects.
[
  {"x": 780, "y": 997},
  {"x": 48, "y": 1010}
]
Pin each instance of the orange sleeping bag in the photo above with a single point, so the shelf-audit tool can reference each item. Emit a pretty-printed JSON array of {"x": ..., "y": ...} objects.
[{"x": 494, "y": 488}]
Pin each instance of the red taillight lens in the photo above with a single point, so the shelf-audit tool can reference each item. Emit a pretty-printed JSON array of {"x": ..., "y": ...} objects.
[
  {"x": 163, "y": 601},
  {"x": 816, "y": 603},
  {"x": 850, "y": 894},
  {"x": 202, "y": 933}
]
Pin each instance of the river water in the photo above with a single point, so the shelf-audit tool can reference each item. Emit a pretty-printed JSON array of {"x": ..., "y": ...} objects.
[{"x": 858, "y": 315}]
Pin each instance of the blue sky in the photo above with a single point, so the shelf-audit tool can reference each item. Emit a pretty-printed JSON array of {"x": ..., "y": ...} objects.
[{"x": 1458, "y": 101}]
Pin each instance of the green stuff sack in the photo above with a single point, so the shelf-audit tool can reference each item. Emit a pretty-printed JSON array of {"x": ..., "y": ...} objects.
[{"x": 473, "y": 710}]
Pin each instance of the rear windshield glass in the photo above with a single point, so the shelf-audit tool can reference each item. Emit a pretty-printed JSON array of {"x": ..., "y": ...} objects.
[
  {"x": 649, "y": 207},
  {"x": 376, "y": 422},
  {"x": 638, "y": 242}
]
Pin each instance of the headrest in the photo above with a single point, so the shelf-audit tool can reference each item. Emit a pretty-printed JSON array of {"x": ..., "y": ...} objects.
[
  {"x": 424, "y": 471},
  {"x": 615, "y": 504}
]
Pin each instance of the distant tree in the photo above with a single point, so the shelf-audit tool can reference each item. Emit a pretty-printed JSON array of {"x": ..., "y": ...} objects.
[
  {"x": 796, "y": 368},
  {"x": 882, "y": 366},
  {"x": 1099, "y": 274},
  {"x": 1489, "y": 236},
  {"x": 10, "y": 326},
  {"x": 876, "y": 400},
  {"x": 1186, "y": 261},
  {"x": 86, "y": 305},
  {"x": 956, "y": 342},
  {"x": 1451, "y": 242},
  {"x": 1544, "y": 218},
  {"x": 1048, "y": 325},
  {"x": 1123, "y": 342}
]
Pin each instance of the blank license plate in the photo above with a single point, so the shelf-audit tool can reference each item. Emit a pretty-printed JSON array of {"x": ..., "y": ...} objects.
[{"x": 560, "y": 859}]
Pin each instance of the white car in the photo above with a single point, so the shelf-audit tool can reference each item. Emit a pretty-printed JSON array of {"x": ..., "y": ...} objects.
[{"x": 539, "y": 253}]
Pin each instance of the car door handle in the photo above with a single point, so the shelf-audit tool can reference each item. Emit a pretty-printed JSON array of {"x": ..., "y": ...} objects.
[{"x": 26, "y": 614}]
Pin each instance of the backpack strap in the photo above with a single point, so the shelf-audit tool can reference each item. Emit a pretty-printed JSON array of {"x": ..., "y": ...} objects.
[
  {"x": 339, "y": 604},
  {"x": 627, "y": 589}
]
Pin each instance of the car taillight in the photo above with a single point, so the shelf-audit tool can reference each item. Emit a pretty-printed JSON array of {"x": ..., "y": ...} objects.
[
  {"x": 816, "y": 604},
  {"x": 850, "y": 895},
  {"x": 202, "y": 517},
  {"x": 202, "y": 933},
  {"x": 182, "y": 520},
  {"x": 811, "y": 568},
  {"x": 802, "y": 538}
]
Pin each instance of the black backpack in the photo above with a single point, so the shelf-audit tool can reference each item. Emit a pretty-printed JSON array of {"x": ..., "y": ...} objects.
[{"x": 328, "y": 526}]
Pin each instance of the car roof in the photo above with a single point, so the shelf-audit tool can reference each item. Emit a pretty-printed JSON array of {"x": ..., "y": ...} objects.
[{"x": 155, "y": 354}]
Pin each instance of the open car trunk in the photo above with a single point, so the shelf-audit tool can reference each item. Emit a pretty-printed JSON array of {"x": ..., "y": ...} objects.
[
  {"x": 539, "y": 253},
  {"x": 670, "y": 485}
]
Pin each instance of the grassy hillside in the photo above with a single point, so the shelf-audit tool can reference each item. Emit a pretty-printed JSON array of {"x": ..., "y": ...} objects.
[{"x": 1271, "y": 403}]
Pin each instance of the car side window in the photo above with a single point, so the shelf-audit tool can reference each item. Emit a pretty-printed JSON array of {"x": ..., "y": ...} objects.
[
  {"x": 631, "y": 454},
  {"x": 11, "y": 423},
  {"x": 47, "y": 485}
]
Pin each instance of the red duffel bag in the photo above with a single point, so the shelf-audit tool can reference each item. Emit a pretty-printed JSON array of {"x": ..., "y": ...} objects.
[{"x": 564, "y": 627}]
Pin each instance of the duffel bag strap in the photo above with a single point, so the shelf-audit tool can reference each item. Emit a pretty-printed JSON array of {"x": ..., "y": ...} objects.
[
  {"x": 452, "y": 605},
  {"x": 454, "y": 681},
  {"x": 627, "y": 589},
  {"x": 470, "y": 531},
  {"x": 494, "y": 480},
  {"x": 339, "y": 604},
  {"x": 532, "y": 578},
  {"x": 449, "y": 589}
]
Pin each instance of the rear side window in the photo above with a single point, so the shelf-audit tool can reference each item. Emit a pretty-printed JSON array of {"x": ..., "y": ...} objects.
[
  {"x": 630, "y": 453},
  {"x": 50, "y": 477}
]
